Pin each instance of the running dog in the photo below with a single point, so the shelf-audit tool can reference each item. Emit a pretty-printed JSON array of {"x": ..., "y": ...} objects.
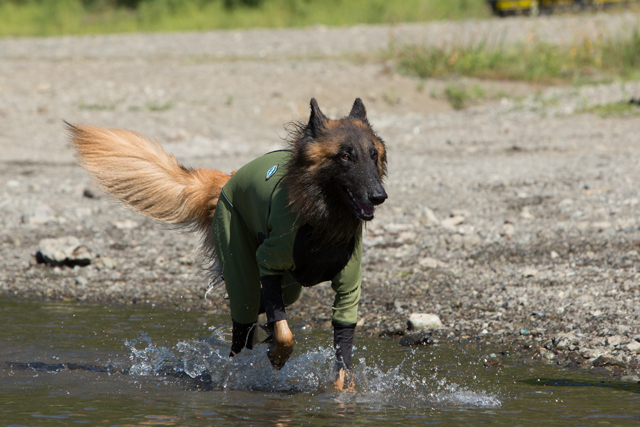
[{"x": 289, "y": 219}]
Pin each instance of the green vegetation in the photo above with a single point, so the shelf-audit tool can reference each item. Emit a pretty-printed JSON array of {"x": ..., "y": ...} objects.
[
  {"x": 96, "y": 107},
  {"x": 588, "y": 61},
  {"x": 56, "y": 17},
  {"x": 159, "y": 107},
  {"x": 459, "y": 95},
  {"x": 615, "y": 109}
]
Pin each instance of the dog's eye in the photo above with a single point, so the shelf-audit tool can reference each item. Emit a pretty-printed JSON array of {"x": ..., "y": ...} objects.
[
  {"x": 374, "y": 155},
  {"x": 346, "y": 157}
]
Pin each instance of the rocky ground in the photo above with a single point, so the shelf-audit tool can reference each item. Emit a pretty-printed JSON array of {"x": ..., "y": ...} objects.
[{"x": 514, "y": 221}]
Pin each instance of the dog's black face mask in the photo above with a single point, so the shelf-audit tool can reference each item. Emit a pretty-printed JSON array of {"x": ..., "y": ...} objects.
[
  {"x": 359, "y": 160},
  {"x": 335, "y": 176},
  {"x": 359, "y": 164}
]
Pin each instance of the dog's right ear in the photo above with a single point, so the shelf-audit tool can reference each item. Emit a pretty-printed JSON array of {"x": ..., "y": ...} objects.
[
  {"x": 316, "y": 121},
  {"x": 358, "y": 111}
]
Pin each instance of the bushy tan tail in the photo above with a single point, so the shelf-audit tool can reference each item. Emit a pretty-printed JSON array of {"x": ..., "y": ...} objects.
[{"x": 137, "y": 171}]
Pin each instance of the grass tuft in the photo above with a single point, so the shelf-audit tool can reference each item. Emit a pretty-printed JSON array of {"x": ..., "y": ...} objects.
[
  {"x": 460, "y": 95},
  {"x": 159, "y": 107},
  {"x": 616, "y": 109},
  {"x": 584, "y": 62}
]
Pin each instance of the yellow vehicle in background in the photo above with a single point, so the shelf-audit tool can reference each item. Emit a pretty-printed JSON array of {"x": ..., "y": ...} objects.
[{"x": 535, "y": 7}]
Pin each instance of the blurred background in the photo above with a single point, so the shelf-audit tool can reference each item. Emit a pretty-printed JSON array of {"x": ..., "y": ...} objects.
[{"x": 55, "y": 17}]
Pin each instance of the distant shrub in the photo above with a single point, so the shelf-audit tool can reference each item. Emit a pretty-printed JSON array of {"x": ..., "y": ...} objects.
[{"x": 234, "y": 3}]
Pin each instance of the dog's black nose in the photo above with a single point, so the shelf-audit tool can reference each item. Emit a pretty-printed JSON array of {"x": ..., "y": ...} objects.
[{"x": 378, "y": 197}]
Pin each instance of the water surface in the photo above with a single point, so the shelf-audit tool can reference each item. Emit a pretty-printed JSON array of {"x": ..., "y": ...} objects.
[{"x": 66, "y": 363}]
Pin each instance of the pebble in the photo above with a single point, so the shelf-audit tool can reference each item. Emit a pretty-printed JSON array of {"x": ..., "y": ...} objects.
[
  {"x": 630, "y": 378},
  {"x": 614, "y": 340},
  {"x": 63, "y": 251},
  {"x": 89, "y": 193},
  {"x": 493, "y": 361},
  {"x": 406, "y": 251},
  {"x": 508, "y": 230},
  {"x": 431, "y": 263},
  {"x": 607, "y": 360},
  {"x": 417, "y": 338},
  {"x": 427, "y": 218},
  {"x": 451, "y": 222},
  {"x": 591, "y": 354},
  {"x": 546, "y": 354},
  {"x": 396, "y": 228},
  {"x": 421, "y": 321},
  {"x": 126, "y": 224},
  {"x": 633, "y": 347},
  {"x": 105, "y": 263},
  {"x": 529, "y": 272},
  {"x": 38, "y": 216}
]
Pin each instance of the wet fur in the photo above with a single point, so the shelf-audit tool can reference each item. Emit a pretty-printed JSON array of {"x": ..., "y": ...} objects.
[{"x": 138, "y": 172}]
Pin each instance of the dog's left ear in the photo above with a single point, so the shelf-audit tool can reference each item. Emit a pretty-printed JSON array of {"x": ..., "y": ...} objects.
[{"x": 358, "y": 111}]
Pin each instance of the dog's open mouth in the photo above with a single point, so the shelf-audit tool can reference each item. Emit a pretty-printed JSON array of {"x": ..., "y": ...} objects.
[{"x": 362, "y": 210}]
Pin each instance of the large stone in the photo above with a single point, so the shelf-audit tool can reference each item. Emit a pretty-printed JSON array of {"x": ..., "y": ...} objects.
[
  {"x": 421, "y": 321},
  {"x": 63, "y": 251}
]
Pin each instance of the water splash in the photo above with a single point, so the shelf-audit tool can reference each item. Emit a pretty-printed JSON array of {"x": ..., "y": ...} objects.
[
  {"x": 400, "y": 385},
  {"x": 208, "y": 359},
  {"x": 310, "y": 370}
]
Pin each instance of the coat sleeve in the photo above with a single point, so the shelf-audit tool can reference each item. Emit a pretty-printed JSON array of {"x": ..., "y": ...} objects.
[
  {"x": 347, "y": 288},
  {"x": 275, "y": 253}
]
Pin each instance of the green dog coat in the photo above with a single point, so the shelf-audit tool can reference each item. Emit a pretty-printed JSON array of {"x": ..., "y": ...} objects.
[{"x": 256, "y": 235}]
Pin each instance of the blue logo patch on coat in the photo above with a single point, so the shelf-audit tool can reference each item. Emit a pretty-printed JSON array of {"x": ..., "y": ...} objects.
[{"x": 271, "y": 172}]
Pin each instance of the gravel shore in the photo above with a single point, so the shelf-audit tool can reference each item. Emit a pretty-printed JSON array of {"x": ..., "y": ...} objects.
[{"x": 515, "y": 221}]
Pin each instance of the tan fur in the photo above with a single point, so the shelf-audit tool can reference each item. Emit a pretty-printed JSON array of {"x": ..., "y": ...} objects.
[
  {"x": 319, "y": 153},
  {"x": 138, "y": 172},
  {"x": 382, "y": 158}
]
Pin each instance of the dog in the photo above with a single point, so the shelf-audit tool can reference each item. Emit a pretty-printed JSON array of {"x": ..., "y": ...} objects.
[{"x": 289, "y": 219}]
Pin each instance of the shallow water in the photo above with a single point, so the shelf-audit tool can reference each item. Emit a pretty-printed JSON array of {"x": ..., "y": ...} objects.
[{"x": 63, "y": 364}]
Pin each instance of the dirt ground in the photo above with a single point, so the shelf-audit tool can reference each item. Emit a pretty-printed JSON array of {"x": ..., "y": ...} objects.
[{"x": 514, "y": 220}]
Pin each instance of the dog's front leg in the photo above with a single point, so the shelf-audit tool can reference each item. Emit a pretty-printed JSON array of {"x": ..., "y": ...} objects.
[
  {"x": 244, "y": 335},
  {"x": 281, "y": 345},
  {"x": 343, "y": 344}
]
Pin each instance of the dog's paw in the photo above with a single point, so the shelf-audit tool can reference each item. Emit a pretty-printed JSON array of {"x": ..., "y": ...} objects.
[
  {"x": 281, "y": 346},
  {"x": 345, "y": 381},
  {"x": 278, "y": 355}
]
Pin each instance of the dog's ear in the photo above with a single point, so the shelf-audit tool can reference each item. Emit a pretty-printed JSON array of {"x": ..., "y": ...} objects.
[
  {"x": 358, "y": 111},
  {"x": 317, "y": 119}
]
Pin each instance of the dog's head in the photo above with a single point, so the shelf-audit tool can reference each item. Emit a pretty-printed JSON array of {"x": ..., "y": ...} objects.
[{"x": 340, "y": 163}]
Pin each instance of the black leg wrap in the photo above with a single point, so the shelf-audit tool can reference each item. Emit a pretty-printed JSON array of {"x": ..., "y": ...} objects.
[
  {"x": 242, "y": 337},
  {"x": 272, "y": 298},
  {"x": 343, "y": 344}
]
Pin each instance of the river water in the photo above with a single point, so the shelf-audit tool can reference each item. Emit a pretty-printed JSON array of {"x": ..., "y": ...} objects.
[{"x": 65, "y": 364}]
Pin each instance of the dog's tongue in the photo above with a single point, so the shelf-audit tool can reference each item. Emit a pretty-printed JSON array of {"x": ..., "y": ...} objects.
[{"x": 366, "y": 208}]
